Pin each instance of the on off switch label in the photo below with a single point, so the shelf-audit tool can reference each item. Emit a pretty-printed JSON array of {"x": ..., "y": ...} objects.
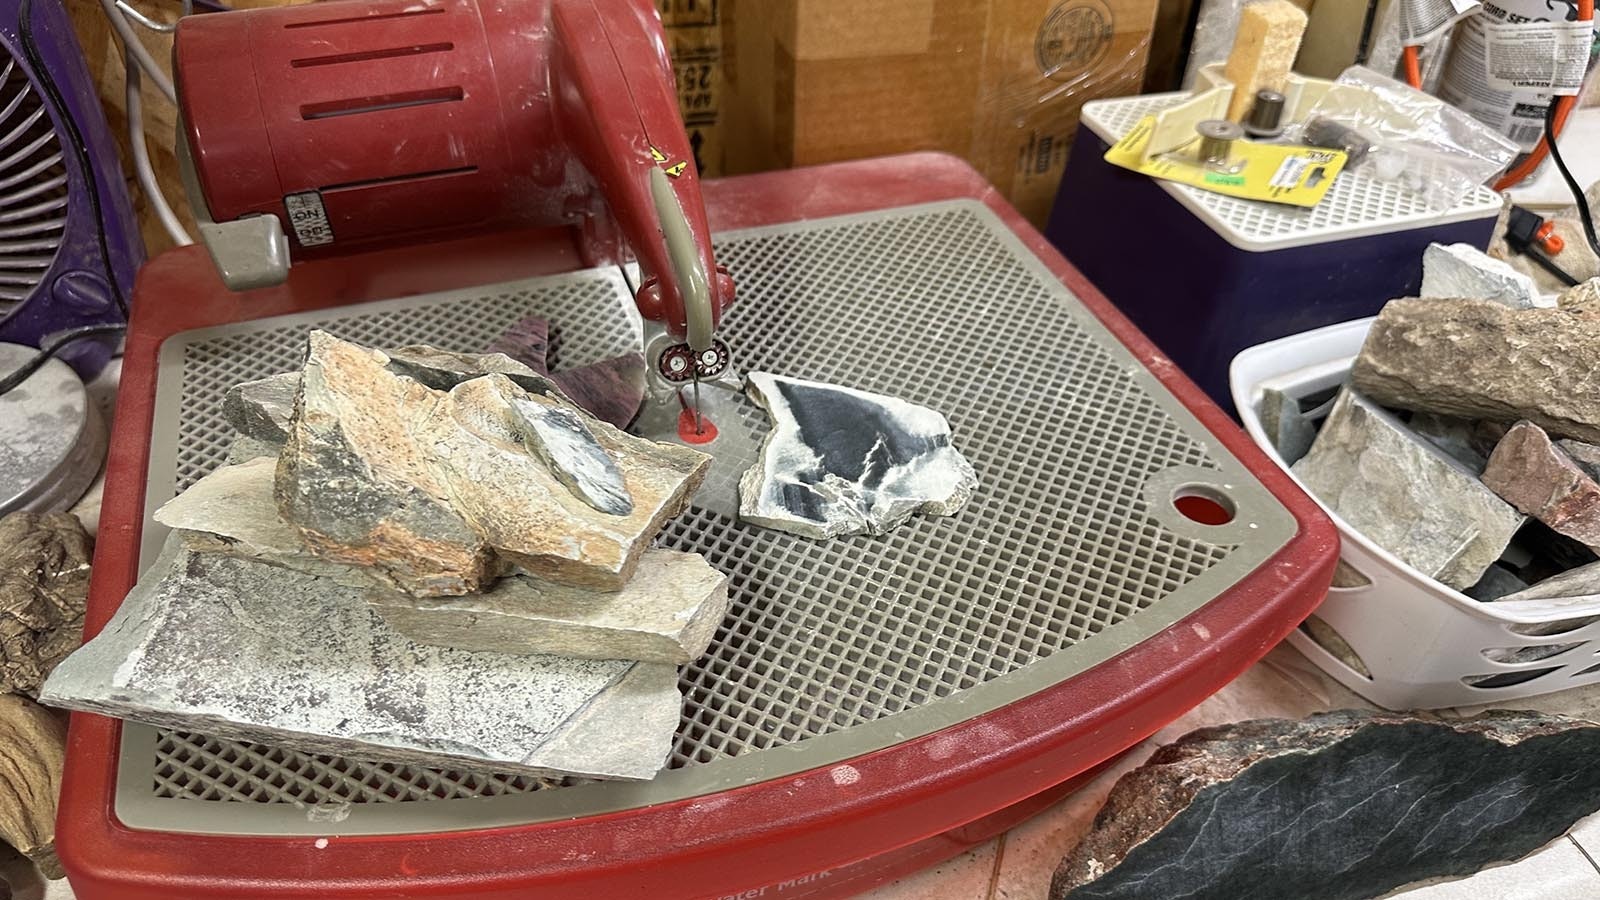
[{"x": 308, "y": 218}]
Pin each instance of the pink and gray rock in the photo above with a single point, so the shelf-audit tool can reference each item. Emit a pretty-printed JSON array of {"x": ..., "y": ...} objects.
[
  {"x": 1541, "y": 480},
  {"x": 527, "y": 341},
  {"x": 1477, "y": 359},
  {"x": 441, "y": 490},
  {"x": 247, "y": 650},
  {"x": 1406, "y": 495}
]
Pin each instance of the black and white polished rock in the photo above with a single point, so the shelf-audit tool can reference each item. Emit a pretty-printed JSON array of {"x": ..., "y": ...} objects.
[{"x": 841, "y": 461}]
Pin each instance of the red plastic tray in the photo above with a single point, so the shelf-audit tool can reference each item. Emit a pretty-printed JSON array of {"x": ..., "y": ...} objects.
[{"x": 790, "y": 837}]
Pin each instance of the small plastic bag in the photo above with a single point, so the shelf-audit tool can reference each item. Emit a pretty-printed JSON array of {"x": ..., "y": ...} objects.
[{"x": 1432, "y": 148}]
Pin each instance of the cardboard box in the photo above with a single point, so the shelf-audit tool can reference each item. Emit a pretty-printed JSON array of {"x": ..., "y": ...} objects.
[
  {"x": 694, "y": 38},
  {"x": 997, "y": 82}
]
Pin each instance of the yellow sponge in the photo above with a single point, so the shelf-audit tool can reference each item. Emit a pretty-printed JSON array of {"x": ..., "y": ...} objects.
[{"x": 1264, "y": 49}]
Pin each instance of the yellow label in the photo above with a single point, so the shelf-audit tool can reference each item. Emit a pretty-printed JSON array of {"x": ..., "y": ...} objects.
[
  {"x": 1279, "y": 173},
  {"x": 657, "y": 155},
  {"x": 677, "y": 168}
]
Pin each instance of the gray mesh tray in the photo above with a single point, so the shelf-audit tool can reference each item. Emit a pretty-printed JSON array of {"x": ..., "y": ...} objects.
[{"x": 1071, "y": 551}]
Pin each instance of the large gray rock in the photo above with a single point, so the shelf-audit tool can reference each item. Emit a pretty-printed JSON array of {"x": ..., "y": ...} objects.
[
  {"x": 1464, "y": 271},
  {"x": 262, "y": 409},
  {"x": 44, "y": 583},
  {"x": 1480, "y": 360},
  {"x": 842, "y": 461},
  {"x": 251, "y": 651},
  {"x": 1287, "y": 427},
  {"x": 1345, "y": 805},
  {"x": 1406, "y": 495},
  {"x": 441, "y": 489},
  {"x": 667, "y": 613},
  {"x": 1540, "y": 479}
]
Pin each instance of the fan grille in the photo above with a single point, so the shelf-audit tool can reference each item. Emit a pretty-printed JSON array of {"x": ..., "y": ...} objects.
[{"x": 33, "y": 187}]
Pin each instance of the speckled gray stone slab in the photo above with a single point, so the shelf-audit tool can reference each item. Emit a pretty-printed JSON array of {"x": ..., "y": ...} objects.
[
  {"x": 1406, "y": 495},
  {"x": 842, "y": 461},
  {"x": 251, "y": 651},
  {"x": 667, "y": 613}
]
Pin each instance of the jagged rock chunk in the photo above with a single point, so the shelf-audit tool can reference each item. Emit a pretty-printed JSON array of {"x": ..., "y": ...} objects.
[
  {"x": 667, "y": 613},
  {"x": 443, "y": 370},
  {"x": 842, "y": 461},
  {"x": 1537, "y": 477},
  {"x": 262, "y": 409},
  {"x": 1464, "y": 271},
  {"x": 1406, "y": 495},
  {"x": 1341, "y": 806},
  {"x": 44, "y": 581},
  {"x": 440, "y": 490},
  {"x": 1480, "y": 360},
  {"x": 251, "y": 651},
  {"x": 361, "y": 484},
  {"x": 559, "y": 436}
]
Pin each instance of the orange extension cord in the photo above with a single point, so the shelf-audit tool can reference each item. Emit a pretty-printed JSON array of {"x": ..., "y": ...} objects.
[{"x": 1564, "y": 105}]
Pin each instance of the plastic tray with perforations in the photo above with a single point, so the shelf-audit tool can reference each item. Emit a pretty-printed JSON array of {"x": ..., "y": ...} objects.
[
  {"x": 1357, "y": 204},
  {"x": 1071, "y": 551}
]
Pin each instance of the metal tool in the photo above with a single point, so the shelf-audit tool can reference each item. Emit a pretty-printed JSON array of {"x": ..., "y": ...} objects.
[
  {"x": 383, "y": 122},
  {"x": 1216, "y": 141}
]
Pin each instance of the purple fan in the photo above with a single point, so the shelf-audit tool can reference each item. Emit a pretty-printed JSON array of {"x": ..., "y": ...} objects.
[{"x": 69, "y": 247}]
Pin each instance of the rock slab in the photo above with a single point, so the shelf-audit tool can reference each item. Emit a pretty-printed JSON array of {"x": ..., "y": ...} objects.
[
  {"x": 1463, "y": 271},
  {"x": 441, "y": 489},
  {"x": 1406, "y": 495},
  {"x": 842, "y": 461},
  {"x": 667, "y": 613},
  {"x": 1340, "y": 806},
  {"x": 1540, "y": 479},
  {"x": 44, "y": 584},
  {"x": 1477, "y": 359},
  {"x": 262, "y": 409},
  {"x": 251, "y": 651}
]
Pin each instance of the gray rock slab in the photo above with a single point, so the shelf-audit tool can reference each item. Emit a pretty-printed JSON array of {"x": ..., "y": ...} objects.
[
  {"x": 841, "y": 461},
  {"x": 1465, "y": 441},
  {"x": 441, "y": 491},
  {"x": 251, "y": 651},
  {"x": 1477, "y": 359},
  {"x": 1528, "y": 471},
  {"x": 1406, "y": 495},
  {"x": 1464, "y": 271},
  {"x": 1582, "y": 582},
  {"x": 262, "y": 409},
  {"x": 443, "y": 369},
  {"x": 1289, "y": 430},
  {"x": 667, "y": 613}
]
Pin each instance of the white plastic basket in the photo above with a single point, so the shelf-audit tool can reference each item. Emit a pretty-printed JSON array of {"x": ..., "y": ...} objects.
[{"x": 1425, "y": 645}]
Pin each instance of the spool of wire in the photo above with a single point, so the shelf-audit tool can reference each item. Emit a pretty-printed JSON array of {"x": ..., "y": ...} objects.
[{"x": 1216, "y": 140}]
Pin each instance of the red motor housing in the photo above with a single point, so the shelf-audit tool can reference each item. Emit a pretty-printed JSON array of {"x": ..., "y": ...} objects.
[{"x": 368, "y": 123}]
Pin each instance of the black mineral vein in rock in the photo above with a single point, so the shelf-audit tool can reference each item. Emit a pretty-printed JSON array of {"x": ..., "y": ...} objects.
[{"x": 1342, "y": 806}]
